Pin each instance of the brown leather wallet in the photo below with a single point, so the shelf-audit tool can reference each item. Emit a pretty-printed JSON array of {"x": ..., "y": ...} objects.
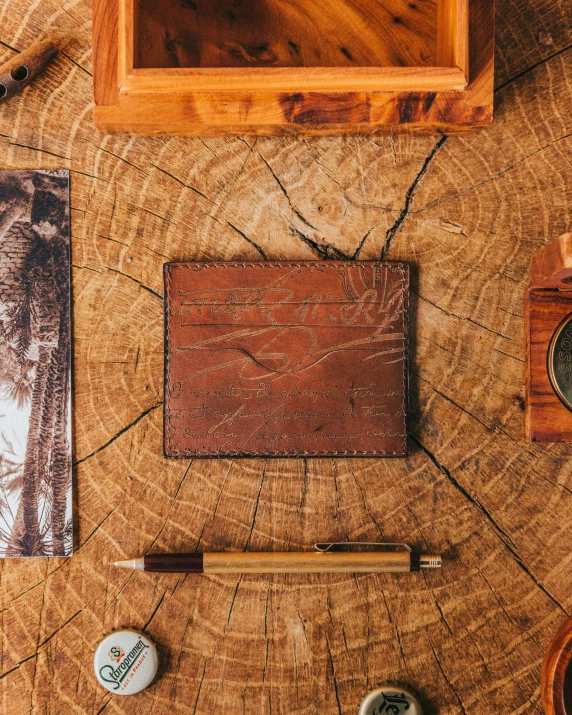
[{"x": 286, "y": 359}]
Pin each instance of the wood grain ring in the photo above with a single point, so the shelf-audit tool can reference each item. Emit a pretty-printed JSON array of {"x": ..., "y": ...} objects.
[{"x": 556, "y": 674}]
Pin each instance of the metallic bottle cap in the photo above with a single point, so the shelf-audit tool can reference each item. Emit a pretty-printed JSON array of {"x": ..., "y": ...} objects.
[
  {"x": 390, "y": 700},
  {"x": 125, "y": 662},
  {"x": 560, "y": 362}
]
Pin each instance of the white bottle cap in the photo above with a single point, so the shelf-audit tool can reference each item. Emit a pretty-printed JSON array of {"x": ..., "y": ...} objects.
[
  {"x": 125, "y": 662},
  {"x": 392, "y": 699}
]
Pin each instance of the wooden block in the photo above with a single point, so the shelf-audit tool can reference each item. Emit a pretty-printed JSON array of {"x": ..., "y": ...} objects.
[
  {"x": 548, "y": 304},
  {"x": 551, "y": 267},
  {"x": 278, "y": 67}
]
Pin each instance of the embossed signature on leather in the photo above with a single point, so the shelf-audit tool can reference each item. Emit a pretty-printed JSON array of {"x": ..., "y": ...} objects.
[{"x": 286, "y": 359}]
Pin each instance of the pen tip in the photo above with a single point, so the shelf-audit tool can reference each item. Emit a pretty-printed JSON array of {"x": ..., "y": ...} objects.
[{"x": 129, "y": 564}]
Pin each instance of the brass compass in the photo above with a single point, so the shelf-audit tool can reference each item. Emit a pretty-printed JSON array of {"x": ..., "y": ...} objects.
[{"x": 560, "y": 361}]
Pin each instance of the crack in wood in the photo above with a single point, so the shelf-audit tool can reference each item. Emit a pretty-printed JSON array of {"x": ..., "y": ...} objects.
[
  {"x": 89, "y": 176},
  {"x": 460, "y": 317},
  {"x": 139, "y": 283},
  {"x": 233, "y": 600},
  {"x": 105, "y": 704},
  {"x": 199, "y": 688},
  {"x": 360, "y": 245},
  {"x": 283, "y": 189},
  {"x": 366, "y": 507},
  {"x": 324, "y": 251},
  {"x": 173, "y": 500},
  {"x": 60, "y": 628},
  {"x": 116, "y": 597},
  {"x": 173, "y": 695},
  {"x": 491, "y": 429},
  {"x": 334, "y": 679},
  {"x": 465, "y": 357},
  {"x": 409, "y": 196},
  {"x": 20, "y": 663},
  {"x": 153, "y": 614},
  {"x": 42, "y": 151},
  {"x": 468, "y": 189},
  {"x": 495, "y": 528},
  {"x": 506, "y": 613},
  {"x": 182, "y": 183},
  {"x": 532, "y": 68},
  {"x": 248, "y": 240},
  {"x": 503, "y": 536},
  {"x": 304, "y": 483},
  {"x": 116, "y": 156},
  {"x": 257, "y": 504},
  {"x": 119, "y": 434},
  {"x": 9, "y": 47},
  {"x": 449, "y": 683},
  {"x": 163, "y": 218},
  {"x": 80, "y": 67}
]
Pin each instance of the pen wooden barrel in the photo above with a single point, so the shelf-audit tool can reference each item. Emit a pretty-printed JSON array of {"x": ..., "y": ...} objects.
[
  {"x": 556, "y": 676},
  {"x": 310, "y": 562}
]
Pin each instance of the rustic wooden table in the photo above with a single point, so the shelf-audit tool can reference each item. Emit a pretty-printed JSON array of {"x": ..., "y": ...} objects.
[{"x": 468, "y": 212}]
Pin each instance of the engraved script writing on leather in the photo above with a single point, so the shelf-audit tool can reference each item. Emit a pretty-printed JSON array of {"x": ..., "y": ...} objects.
[{"x": 286, "y": 358}]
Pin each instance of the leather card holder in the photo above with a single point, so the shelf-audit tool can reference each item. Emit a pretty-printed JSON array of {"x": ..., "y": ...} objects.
[{"x": 286, "y": 359}]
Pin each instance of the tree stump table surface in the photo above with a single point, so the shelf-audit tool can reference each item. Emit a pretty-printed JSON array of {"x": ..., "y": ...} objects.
[{"x": 468, "y": 212}]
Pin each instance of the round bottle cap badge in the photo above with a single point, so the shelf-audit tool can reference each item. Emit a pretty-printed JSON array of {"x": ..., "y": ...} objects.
[
  {"x": 125, "y": 662},
  {"x": 390, "y": 700}
]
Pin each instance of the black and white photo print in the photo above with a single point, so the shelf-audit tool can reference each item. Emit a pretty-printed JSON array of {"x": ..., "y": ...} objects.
[{"x": 35, "y": 365}]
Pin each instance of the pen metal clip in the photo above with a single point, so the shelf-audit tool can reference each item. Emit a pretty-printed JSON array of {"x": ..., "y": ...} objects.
[{"x": 349, "y": 545}]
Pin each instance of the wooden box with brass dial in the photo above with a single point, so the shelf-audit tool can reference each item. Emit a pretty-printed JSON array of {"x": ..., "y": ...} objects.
[{"x": 548, "y": 324}]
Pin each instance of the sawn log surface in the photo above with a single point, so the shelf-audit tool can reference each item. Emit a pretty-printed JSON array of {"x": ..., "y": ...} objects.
[{"x": 468, "y": 212}]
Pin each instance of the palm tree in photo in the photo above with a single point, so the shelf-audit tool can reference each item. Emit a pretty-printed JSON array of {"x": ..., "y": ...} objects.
[
  {"x": 37, "y": 323},
  {"x": 60, "y": 390},
  {"x": 16, "y": 384}
]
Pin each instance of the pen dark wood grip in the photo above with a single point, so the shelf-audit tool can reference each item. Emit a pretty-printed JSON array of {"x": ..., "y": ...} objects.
[
  {"x": 174, "y": 563},
  {"x": 22, "y": 69}
]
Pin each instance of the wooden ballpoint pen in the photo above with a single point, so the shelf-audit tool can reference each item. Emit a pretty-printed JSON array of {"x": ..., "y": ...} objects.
[{"x": 327, "y": 558}]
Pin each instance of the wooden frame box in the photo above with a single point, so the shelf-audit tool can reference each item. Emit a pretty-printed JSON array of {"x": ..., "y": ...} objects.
[
  {"x": 292, "y": 66},
  {"x": 548, "y": 304}
]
